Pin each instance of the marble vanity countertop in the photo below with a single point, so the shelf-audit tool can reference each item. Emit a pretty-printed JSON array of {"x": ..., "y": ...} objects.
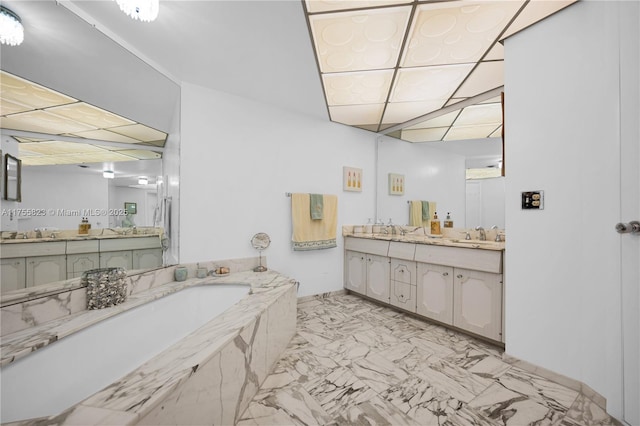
[
  {"x": 432, "y": 240},
  {"x": 76, "y": 237},
  {"x": 19, "y": 344}
]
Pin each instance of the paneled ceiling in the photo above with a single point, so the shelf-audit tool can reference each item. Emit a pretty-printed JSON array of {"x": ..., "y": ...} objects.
[
  {"x": 66, "y": 124},
  {"x": 386, "y": 63}
]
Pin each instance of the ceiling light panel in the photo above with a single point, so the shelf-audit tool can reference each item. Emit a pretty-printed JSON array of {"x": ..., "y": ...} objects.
[
  {"x": 141, "y": 154},
  {"x": 105, "y": 135},
  {"x": 429, "y": 83},
  {"x": 399, "y": 112},
  {"x": 357, "y": 88},
  {"x": 480, "y": 114},
  {"x": 24, "y": 92},
  {"x": 497, "y": 133},
  {"x": 7, "y": 107},
  {"x": 141, "y": 133},
  {"x": 360, "y": 40},
  {"x": 424, "y": 135},
  {"x": 90, "y": 115},
  {"x": 58, "y": 147},
  {"x": 357, "y": 115},
  {"x": 314, "y": 6},
  {"x": 486, "y": 76},
  {"x": 470, "y": 132},
  {"x": 534, "y": 12},
  {"x": 456, "y": 32},
  {"x": 42, "y": 121},
  {"x": 444, "y": 120}
]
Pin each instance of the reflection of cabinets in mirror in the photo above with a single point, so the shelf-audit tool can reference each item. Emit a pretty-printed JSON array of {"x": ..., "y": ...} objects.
[
  {"x": 45, "y": 269},
  {"x": 79, "y": 263},
  {"x": 147, "y": 259},
  {"x": 13, "y": 273},
  {"x": 116, "y": 259}
]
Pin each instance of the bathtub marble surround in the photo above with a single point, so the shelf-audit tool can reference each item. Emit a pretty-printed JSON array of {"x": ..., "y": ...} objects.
[
  {"x": 36, "y": 306},
  {"x": 353, "y": 361},
  {"x": 208, "y": 377}
]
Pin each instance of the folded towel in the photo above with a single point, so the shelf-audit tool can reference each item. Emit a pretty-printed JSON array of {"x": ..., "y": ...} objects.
[
  {"x": 415, "y": 213},
  {"x": 311, "y": 234},
  {"x": 425, "y": 210},
  {"x": 316, "y": 206}
]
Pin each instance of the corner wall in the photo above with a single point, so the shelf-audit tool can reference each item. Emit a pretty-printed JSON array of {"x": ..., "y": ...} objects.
[
  {"x": 240, "y": 157},
  {"x": 562, "y": 124}
]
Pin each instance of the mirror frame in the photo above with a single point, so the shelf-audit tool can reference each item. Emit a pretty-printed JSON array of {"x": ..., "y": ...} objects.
[{"x": 12, "y": 181}]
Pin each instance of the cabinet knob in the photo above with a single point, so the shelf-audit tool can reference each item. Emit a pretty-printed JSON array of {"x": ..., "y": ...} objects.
[
  {"x": 459, "y": 275},
  {"x": 445, "y": 274}
]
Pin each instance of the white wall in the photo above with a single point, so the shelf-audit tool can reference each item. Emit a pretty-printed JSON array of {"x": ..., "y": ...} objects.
[
  {"x": 485, "y": 202},
  {"x": 239, "y": 158},
  {"x": 431, "y": 174},
  {"x": 562, "y": 136},
  {"x": 52, "y": 191}
]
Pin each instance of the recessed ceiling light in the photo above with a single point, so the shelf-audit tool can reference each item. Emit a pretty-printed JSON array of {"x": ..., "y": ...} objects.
[
  {"x": 12, "y": 32},
  {"x": 108, "y": 174},
  {"x": 143, "y": 180}
]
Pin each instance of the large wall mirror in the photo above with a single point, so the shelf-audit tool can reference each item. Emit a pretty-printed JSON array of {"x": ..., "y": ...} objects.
[{"x": 124, "y": 118}]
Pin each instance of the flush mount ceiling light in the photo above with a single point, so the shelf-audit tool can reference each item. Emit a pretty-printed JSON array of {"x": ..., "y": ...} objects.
[
  {"x": 11, "y": 31},
  {"x": 143, "y": 10},
  {"x": 143, "y": 180},
  {"x": 108, "y": 174}
]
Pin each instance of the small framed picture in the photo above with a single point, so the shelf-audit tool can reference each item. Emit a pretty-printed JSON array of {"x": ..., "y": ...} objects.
[
  {"x": 396, "y": 184},
  {"x": 131, "y": 208},
  {"x": 351, "y": 179}
]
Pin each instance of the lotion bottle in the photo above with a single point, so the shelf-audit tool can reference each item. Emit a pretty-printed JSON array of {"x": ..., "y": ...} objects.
[
  {"x": 448, "y": 223},
  {"x": 435, "y": 224}
]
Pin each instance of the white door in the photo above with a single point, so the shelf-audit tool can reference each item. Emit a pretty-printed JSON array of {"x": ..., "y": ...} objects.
[{"x": 629, "y": 14}]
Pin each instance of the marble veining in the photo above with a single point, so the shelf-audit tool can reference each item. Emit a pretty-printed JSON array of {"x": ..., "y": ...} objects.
[
  {"x": 354, "y": 362},
  {"x": 209, "y": 377}
]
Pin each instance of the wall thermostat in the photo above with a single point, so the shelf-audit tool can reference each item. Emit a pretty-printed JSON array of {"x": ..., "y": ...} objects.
[{"x": 533, "y": 200}]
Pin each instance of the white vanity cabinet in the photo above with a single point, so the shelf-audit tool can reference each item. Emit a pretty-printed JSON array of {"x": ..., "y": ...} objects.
[
  {"x": 46, "y": 269},
  {"x": 457, "y": 286},
  {"x": 147, "y": 258},
  {"x": 367, "y": 268},
  {"x": 82, "y": 256},
  {"x": 116, "y": 259},
  {"x": 13, "y": 273},
  {"x": 403, "y": 291},
  {"x": 435, "y": 292},
  {"x": 477, "y": 302}
]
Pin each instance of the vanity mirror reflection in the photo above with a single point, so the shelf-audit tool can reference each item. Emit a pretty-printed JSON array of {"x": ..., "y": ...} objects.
[{"x": 74, "y": 115}]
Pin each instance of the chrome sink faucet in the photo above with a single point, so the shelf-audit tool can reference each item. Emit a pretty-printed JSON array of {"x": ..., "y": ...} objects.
[
  {"x": 498, "y": 240},
  {"x": 483, "y": 234}
]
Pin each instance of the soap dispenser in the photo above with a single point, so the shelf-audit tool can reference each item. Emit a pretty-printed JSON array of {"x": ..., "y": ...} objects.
[
  {"x": 435, "y": 224},
  {"x": 448, "y": 223}
]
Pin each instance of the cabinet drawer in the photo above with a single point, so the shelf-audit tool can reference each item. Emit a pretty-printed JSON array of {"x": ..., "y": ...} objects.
[
  {"x": 48, "y": 248},
  {"x": 86, "y": 246},
  {"x": 399, "y": 250},
  {"x": 380, "y": 248},
  {"x": 403, "y": 271},
  {"x": 133, "y": 243},
  {"x": 459, "y": 257},
  {"x": 403, "y": 296}
]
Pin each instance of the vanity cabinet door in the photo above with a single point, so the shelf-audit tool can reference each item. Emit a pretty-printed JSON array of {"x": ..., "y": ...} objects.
[
  {"x": 378, "y": 277},
  {"x": 147, "y": 259},
  {"x": 79, "y": 263},
  {"x": 435, "y": 292},
  {"x": 13, "y": 274},
  {"x": 477, "y": 305},
  {"x": 116, "y": 259},
  {"x": 46, "y": 269},
  {"x": 403, "y": 284},
  {"x": 355, "y": 274}
]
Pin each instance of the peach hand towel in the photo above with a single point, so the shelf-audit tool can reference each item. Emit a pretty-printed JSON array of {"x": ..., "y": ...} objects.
[{"x": 311, "y": 234}]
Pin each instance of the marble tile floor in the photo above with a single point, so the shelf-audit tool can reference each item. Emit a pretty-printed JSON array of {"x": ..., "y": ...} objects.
[{"x": 353, "y": 362}]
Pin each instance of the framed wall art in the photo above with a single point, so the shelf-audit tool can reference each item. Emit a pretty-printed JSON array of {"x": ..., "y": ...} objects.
[
  {"x": 396, "y": 184},
  {"x": 352, "y": 179},
  {"x": 12, "y": 178}
]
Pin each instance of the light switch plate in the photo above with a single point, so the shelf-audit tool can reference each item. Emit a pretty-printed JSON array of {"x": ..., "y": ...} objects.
[{"x": 532, "y": 200}]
